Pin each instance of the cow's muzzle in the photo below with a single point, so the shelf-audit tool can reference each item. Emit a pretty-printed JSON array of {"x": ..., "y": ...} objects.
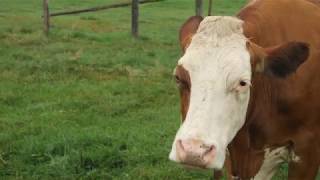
[{"x": 195, "y": 153}]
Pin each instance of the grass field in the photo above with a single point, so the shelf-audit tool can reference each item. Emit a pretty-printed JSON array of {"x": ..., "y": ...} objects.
[{"x": 90, "y": 102}]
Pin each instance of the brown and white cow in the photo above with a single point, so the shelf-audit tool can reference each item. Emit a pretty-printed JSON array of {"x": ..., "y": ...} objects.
[{"x": 250, "y": 84}]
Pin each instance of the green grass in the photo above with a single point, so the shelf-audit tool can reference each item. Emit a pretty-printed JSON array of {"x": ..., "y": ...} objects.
[{"x": 91, "y": 102}]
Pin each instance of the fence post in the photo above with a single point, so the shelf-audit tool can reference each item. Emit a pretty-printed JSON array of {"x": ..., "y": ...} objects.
[
  {"x": 135, "y": 18},
  {"x": 199, "y": 7},
  {"x": 46, "y": 17},
  {"x": 210, "y": 8}
]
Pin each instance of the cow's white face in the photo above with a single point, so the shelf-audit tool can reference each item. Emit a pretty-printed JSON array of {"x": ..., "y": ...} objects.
[{"x": 218, "y": 63}]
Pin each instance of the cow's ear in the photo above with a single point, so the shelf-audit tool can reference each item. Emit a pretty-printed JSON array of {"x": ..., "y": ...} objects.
[
  {"x": 187, "y": 30},
  {"x": 279, "y": 61}
]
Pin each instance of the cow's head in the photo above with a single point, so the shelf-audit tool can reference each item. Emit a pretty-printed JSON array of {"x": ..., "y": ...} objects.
[{"x": 214, "y": 78}]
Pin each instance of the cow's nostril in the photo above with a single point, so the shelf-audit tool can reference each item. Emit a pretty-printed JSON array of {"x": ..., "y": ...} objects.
[
  {"x": 211, "y": 148},
  {"x": 209, "y": 154},
  {"x": 207, "y": 147},
  {"x": 181, "y": 152},
  {"x": 180, "y": 144}
]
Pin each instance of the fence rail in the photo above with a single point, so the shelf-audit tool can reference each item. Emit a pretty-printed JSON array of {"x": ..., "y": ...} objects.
[
  {"x": 134, "y": 12},
  {"x": 99, "y": 8}
]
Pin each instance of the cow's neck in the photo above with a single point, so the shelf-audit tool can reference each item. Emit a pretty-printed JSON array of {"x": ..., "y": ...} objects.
[
  {"x": 270, "y": 96},
  {"x": 269, "y": 102},
  {"x": 250, "y": 143}
]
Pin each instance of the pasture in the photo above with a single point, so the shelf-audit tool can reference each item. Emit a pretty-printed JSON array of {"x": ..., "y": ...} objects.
[{"x": 91, "y": 102}]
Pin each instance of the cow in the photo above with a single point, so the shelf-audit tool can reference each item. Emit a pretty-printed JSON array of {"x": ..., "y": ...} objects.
[{"x": 249, "y": 89}]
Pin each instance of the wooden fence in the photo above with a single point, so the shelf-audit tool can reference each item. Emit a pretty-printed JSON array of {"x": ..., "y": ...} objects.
[
  {"x": 134, "y": 12},
  {"x": 199, "y": 7}
]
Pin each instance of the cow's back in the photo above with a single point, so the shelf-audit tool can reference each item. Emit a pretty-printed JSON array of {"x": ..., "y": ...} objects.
[{"x": 276, "y": 21}]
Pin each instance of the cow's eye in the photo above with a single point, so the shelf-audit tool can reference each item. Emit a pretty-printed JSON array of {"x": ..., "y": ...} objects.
[
  {"x": 242, "y": 83},
  {"x": 178, "y": 81},
  {"x": 181, "y": 83}
]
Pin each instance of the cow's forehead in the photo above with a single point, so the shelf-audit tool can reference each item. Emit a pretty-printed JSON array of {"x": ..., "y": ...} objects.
[
  {"x": 215, "y": 31},
  {"x": 218, "y": 47}
]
